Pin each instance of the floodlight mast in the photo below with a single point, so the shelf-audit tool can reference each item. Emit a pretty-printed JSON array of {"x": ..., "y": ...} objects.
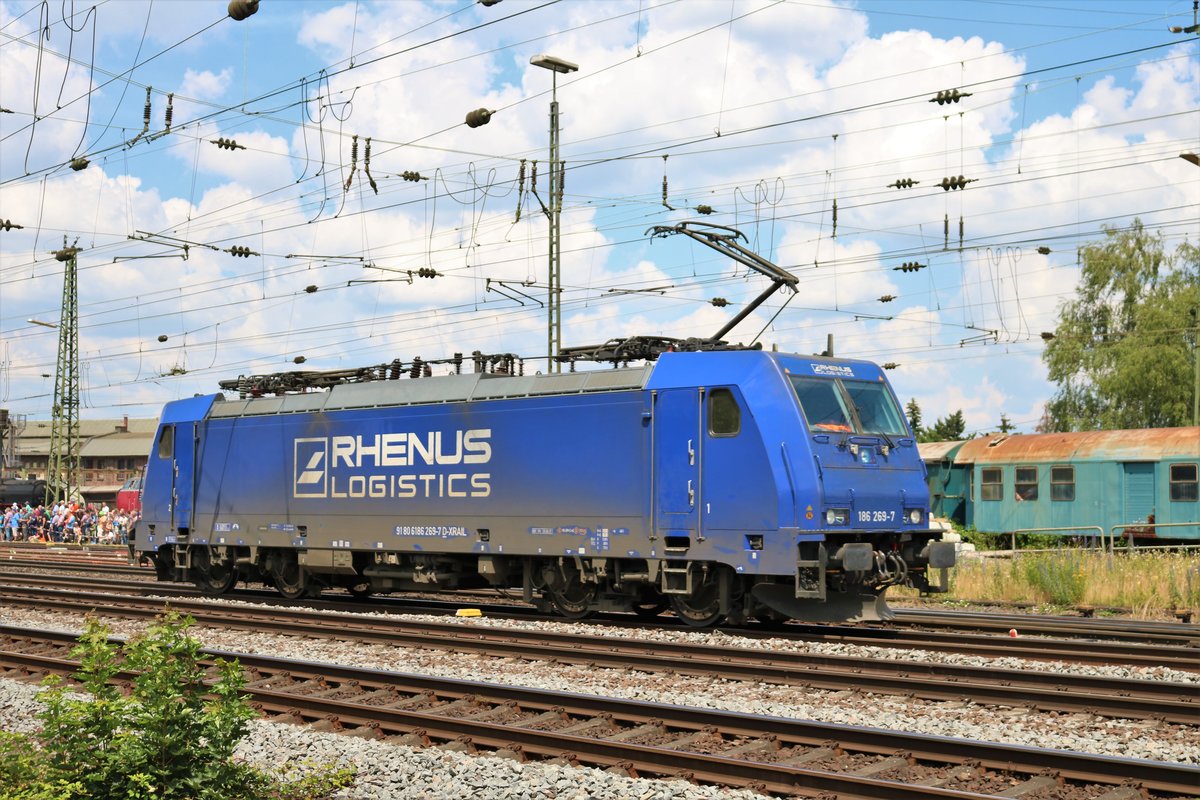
[{"x": 553, "y": 209}]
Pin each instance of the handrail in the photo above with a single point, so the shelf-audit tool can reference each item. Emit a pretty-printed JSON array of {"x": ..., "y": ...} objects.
[
  {"x": 1113, "y": 530},
  {"x": 1096, "y": 528}
]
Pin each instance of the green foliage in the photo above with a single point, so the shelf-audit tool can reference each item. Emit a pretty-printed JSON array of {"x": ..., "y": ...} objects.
[
  {"x": 171, "y": 737},
  {"x": 1122, "y": 351},
  {"x": 1006, "y": 425},
  {"x": 1060, "y": 576},
  {"x": 950, "y": 428},
  {"x": 913, "y": 412}
]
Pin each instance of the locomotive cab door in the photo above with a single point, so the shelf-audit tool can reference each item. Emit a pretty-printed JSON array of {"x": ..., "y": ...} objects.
[
  {"x": 677, "y": 448},
  {"x": 183, "y": 476}
]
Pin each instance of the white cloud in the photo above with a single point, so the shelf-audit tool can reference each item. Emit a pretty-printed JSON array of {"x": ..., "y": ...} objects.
[{"x": 204, "y": 84}]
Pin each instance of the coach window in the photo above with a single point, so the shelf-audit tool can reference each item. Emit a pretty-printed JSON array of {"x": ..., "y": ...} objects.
[
  {"x": 1062, "y": 483},
  {"x": 724, "y": 415},
  {"x": 1184, "y": 486},
  {"x": 991, "y": 483},
  {"x": 166, "y": 442},
  {"x": 1026, "y": 483}
]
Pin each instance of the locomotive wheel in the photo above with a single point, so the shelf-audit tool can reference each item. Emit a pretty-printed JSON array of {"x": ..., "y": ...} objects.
[
  {"x": 700, "y": 610},
  {"x": 212, "y": 578},
  {"x": 574, "y": 600},
  {"x": 289, "y": 579}
]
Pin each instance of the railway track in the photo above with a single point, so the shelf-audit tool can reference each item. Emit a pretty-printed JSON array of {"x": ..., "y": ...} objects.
[
  {"x": 779, "y": 756},
  {"x": 1177, "y": 645},
  {"x": 1111, "y": 697}
]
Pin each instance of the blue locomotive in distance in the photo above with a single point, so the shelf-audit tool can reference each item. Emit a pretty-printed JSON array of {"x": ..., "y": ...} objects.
[{"x": 721, "y": 484}]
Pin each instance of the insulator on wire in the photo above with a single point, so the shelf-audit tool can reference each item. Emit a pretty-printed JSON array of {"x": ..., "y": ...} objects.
[
  {"x": 227, "y": 144},
  {"x": 80, "y": 163},
  {"x": 909, "y": 266},
  {"x": 703, "y": 209},
  {"x": 562, "y": 180},
  {"x": 664, "y": 191},
  {"x": 299, "y": 360},
  {"x": 719, "y": 302},
  {"x": 946, "y": 232},
  {"x": 367, "y": 167},
  {"x": 903, "y": 183},
  {"x": 412, "y": 175},
  {"x": 533, "y": 178},
  {"x": 1043, "y": 250},
  {"x": 887, "y": 298},
  {"x": 1047, "y": 336},
  {"x": 66, "y": 254},
  {"x": 835, "y": 219},
  {"x": 241, "y": 9},
  {"x": 960, "y": 232},
  {"x": 312, "y": 287},
  {"x": 170, "y": 110},
  {"x": 954, "y": 182},
  {"x": 162, "y": 337},
  {"x": 478, "y": 117},
  {"x": 8, "y": 225},
  {"x": 240, "y": 251},
  {"x": 427, "y": 272},
  {"x": 487, "y": 3},
  {"x": 353, "y": 161},
  {"x": 890, "y": 365},
  {"x": 6, "y": 110},
  {"x": 146, "y": 111},
  {"x": 520, "y": 190},
  {"x": 948, "y": 96}
]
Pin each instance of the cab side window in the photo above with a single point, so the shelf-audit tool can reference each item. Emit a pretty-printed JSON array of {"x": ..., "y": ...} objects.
[
  {"x": 166, "y": 442},
  {"x": 724, "y": 415}
]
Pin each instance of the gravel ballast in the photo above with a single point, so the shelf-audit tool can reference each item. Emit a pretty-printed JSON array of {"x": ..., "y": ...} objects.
[{"x": 446, "y": 774}]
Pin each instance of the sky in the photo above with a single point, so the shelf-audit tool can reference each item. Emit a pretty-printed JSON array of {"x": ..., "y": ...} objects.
[{"x": 1070, "y": 119}]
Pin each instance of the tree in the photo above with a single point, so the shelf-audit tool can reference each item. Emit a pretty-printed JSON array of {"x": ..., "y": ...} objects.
[
  {"x": 1006, "y": 425},
  {"x": 913, "y": 412},
  {"x": 949, "y": 428},
  {"x": 1122, "y": 352}
]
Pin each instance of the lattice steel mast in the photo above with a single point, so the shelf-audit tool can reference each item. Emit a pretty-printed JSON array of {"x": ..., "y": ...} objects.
[{"x": 62, "y": 475}]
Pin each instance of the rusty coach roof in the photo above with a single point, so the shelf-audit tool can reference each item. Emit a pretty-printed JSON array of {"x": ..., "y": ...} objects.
[
  {"x": 1143, "y": 444},
  {"x": 937, "y": 451}
]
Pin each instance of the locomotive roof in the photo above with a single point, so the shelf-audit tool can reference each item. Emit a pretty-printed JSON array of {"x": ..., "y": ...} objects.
[{"x": 1143, "y": 444}]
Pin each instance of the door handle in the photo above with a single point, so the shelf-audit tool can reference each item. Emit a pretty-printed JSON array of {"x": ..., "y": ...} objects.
[
  {"x": 691, "y": 495},
  {"x": 691, "y": 455}
]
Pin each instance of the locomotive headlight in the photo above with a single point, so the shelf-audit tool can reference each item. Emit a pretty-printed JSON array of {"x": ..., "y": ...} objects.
[
  {"x": 913, "y": 516},
  {"x": 837, "y": 516}
]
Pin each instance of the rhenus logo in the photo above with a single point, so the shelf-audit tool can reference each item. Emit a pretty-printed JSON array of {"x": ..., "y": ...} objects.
[
  {"x": 840, "y": 370},
  {"x": 372, "y": 466}
]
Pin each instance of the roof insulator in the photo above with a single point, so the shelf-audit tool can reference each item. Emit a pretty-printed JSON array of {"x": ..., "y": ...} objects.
[
  {"x": 79, "y": 163},
  {"x": 227, "y": 144},
  {"x": 241, "y": 9},
  {"x": 239, "y": 251},
  {"x": 1044, "y": 250},
  {"x": 411, "y": 175},
  {"x": 890, "y": 365},
  {"x": 887, "y": 298},
  {"x": 703, "y": 209},
  {"x": 953, "y": 182},
  {"x": 903, "y": 183},
  {"x": 719, "y": 302},
  {"x": 299, "y": 360},
  {"x": 8, "y": 225},
  {"x": 908, "y": 266},
  {"x": 480, "y": 116},
  {"x": 162, "y": 337},
  {"x": 948, "y": 96},
  {"x": 312, "y": 287}
]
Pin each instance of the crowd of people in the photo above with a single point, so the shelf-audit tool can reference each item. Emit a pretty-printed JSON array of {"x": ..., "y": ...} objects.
[{"x": 68, "y": 523}]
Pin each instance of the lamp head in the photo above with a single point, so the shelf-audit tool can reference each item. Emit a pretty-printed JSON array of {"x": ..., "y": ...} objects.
[{"x": 553, "y": 64}]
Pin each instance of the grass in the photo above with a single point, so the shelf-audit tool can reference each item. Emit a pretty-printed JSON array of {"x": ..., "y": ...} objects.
[{"x": 1149, "y": 584}]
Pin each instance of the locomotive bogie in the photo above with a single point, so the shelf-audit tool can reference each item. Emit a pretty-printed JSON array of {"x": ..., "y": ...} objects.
[{"x": 723, "y": 485}]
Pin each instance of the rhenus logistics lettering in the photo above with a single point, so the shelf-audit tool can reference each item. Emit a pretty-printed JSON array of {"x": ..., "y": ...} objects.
[{"x": 358, "y": 466}]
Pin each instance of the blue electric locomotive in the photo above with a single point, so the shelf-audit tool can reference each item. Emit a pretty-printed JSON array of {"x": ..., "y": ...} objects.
[{"x": 723, "y": 484}]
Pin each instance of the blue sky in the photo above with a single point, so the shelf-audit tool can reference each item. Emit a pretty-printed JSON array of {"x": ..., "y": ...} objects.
[{"x": 768, "y": 112}]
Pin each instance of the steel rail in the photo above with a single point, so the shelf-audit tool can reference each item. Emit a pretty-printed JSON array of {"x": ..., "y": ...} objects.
[
  {"x": 1113, "y": 697},
  {"x": 1182, "y": 657},
  {"x": 323, "y": 689}
]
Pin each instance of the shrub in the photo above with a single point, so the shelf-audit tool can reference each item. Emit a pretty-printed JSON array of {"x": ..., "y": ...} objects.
[{"x": 171, "y": 737}]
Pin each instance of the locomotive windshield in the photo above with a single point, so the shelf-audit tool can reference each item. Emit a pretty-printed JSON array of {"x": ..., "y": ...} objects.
[{"x": 847, "y": 406}]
